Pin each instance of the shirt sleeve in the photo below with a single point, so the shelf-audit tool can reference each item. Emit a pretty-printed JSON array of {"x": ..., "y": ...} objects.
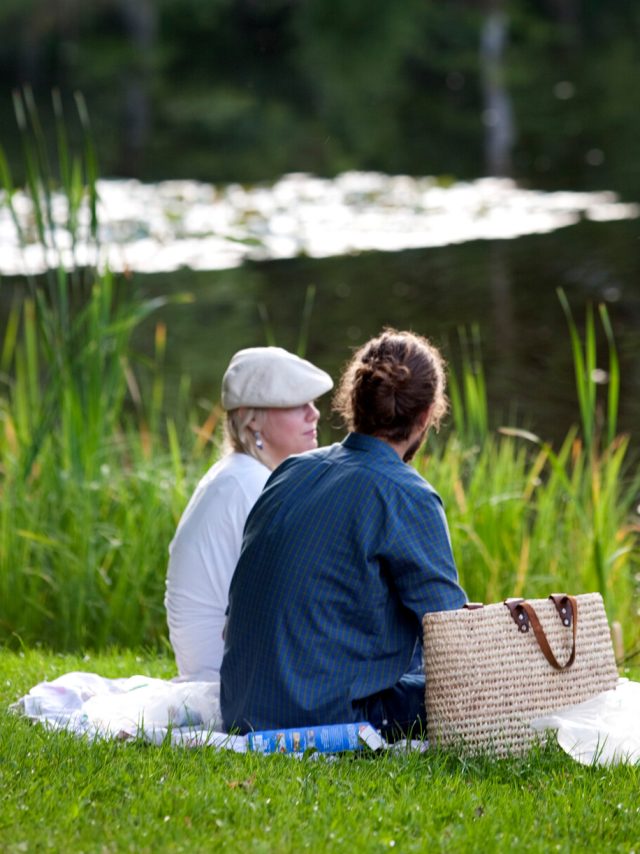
[{"x": 419, "y": 555}]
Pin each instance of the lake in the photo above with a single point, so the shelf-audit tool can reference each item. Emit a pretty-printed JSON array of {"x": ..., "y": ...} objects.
[
  {"x": 508, "y": 288},
  {"x": 486, "y": 254}
]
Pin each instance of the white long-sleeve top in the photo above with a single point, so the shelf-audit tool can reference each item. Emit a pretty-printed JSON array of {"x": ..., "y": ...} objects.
[{"x": 202, "y": 558}]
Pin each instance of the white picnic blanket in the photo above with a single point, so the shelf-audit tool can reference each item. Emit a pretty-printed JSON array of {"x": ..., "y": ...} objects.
[
  {"x": 134, "y": 707},
  {"x": 141, "y": 707},
  {"x": 602, "y": 730}
]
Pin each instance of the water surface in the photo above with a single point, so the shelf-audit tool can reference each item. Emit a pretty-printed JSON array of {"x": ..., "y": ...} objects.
[
  {"x": 506, "y": 287},
  {"x": 484, "y": 253}
]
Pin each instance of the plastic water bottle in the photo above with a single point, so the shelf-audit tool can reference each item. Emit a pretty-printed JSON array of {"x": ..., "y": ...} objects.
[{"x": 330, "y": 738}]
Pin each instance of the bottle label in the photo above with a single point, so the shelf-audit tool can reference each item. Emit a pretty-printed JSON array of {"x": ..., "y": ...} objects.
[{"x": 332, "y": 738}]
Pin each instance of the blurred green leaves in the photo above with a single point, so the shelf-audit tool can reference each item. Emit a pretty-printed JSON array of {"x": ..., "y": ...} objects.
[{"x": 243, "y": 90}]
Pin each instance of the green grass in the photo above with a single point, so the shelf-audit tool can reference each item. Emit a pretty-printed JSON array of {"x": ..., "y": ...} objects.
[
  {"x": 79, "y": 443},
  {"x": 61, "y": 793},
  {"x": 525, "y": 519},
  {"x": 92, "y": 490},
  {"x": 83, "y": 548}
]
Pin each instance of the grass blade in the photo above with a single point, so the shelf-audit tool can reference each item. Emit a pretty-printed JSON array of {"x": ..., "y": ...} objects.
[
  {"x": 305, "y": 322},
  {"x": 613, "y": 397}
]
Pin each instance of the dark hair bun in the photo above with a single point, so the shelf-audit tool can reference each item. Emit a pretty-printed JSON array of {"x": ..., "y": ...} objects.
[{"x": 390, "y": 383}]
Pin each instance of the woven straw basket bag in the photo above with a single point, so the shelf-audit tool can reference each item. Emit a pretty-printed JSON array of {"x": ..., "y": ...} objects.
[{"x": 490, "y": 670}]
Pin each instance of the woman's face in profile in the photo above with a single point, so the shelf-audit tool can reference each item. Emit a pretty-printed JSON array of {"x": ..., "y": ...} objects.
[{"x": 290, "y": 431}]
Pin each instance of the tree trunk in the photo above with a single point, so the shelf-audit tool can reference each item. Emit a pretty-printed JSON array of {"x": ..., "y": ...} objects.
[
  {"x": 140, "y": 20},
  {"x": 497, "y": 111}
]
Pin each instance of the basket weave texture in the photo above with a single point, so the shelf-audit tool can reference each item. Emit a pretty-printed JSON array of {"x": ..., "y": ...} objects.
[{"x": 486, "y": 680}]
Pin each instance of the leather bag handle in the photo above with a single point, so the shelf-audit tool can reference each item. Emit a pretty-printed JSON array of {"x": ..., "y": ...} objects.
[{"x": 524, "y": 615}]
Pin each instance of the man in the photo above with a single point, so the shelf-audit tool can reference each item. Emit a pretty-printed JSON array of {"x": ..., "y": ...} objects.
[{"x": 345, "y": 551}]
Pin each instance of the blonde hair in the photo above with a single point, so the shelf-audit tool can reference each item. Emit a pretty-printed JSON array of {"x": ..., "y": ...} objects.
[{"x": 239, "y": 437}]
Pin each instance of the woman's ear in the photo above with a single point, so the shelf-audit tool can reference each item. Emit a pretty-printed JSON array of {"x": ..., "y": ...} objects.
[
  {"x": 243, "y": 412},
  {"x": 257, "y": 420}
]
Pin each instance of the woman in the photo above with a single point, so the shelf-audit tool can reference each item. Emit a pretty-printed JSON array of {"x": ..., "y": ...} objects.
[{"x": 268, "y": 396}]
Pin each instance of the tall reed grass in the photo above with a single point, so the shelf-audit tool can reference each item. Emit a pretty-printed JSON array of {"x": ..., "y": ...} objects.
[
  {"x": 91, "y": 476},
  {"x": 527, "y": 518},
  {"x": 94, "y": 472}
]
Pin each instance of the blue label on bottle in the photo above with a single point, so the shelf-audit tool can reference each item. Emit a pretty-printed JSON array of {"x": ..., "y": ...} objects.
[{"x": 331, "y": 738}]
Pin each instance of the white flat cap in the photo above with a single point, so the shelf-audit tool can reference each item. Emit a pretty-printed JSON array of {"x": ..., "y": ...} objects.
[{"x": 268, "y": 377}]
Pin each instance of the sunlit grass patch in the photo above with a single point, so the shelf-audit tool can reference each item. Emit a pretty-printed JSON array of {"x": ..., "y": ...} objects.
[{"x": 63, "y": 793}]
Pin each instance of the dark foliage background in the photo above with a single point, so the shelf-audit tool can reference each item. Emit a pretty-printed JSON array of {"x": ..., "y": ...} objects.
[{"x": 248, "y": 89}]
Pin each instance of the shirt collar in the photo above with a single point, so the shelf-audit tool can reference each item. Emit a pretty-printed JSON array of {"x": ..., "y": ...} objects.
[{"x": 370, "y": 444}]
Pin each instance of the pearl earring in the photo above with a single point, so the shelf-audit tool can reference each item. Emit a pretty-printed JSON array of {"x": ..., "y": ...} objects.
[{"x": 258, "y": 438}]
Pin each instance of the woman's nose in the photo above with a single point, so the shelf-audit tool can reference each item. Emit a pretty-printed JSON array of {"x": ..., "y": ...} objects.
[{"x": 312, "y": 413}]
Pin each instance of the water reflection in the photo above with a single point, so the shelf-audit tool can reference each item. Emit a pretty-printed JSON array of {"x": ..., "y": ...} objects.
[
  {"x": 174, "y": 224},
  {"x": 507, "y": 288}
]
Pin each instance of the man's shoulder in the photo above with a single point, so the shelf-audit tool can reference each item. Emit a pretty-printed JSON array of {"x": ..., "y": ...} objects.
[
  {"x": 309, "y": 459},
  {"x": 413, "y": 477},
  {"x": 383, "y": 474}
]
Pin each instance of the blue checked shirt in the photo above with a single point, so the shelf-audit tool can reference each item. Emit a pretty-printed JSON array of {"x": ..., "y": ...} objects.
[{"x": 344, "y": 552}]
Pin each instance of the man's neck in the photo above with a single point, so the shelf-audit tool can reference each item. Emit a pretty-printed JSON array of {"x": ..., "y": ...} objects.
[
  {"x": 407, "y": 449},
  {"x": 401, "y": 448}
]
